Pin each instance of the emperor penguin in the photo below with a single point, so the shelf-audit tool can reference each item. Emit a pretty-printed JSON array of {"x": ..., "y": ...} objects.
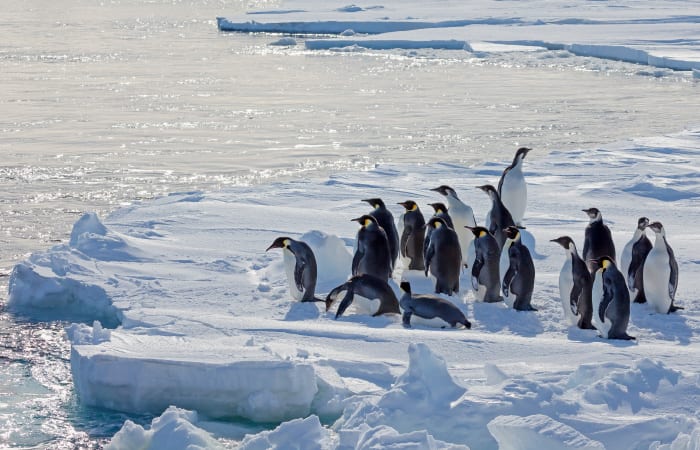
[
  {"x": 371, "y": 295},
  {"x": 462, "y": 216},
  {"x": 386, "y": 220},
  {"x": 512, "y": 187},
  {"x": 661, "y": 273},
  {"x": 575, "y": 284},
  {"x": 300, "y": 267},
  {"x": 372, "y": 255},
  {"x": 413, "y": 235},
  {"x": 484, "y": 270},
  {"x": 598, "y": 239},
  {"x": 518, "y": 272},
  {"x": 611, "y": 301},
  {"x": 440, "y": 210},
  {"x": 499, "y": 218},
  {"x": 433, "y": 310},
  {"x": 443, "y": 257},
  {"x": 632, "y": 260}
]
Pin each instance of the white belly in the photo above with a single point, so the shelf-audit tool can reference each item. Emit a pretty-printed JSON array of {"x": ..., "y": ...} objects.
[
  {"x": 657, "y": 273},
  {"x": 602, "y": 326},
  {"x": 626, "y": 259},
  {"x": 435, "y": 322},
  {"x": 480, "y": 293},
  {"x": 462, "y": 215},
  {"x": 503, "y": 265},
  {"x": 363, "y": 305},
  {"x": 514, "y": 194},
  {"x": 566, "y": 284},
  {"x": 290, "y": 262}
]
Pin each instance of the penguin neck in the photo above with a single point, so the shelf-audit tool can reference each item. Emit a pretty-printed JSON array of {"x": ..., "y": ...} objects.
[
  {"x": 596, "y": 219},
  {"x": 638, "y": 233},
  {"x": 660, "y": 240}
]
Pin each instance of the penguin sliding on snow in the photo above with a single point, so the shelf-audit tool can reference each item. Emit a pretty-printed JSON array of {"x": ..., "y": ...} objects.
[
  {"x": 436, "y": 310},
  {"x": 462, "y": 216},
  {"x": 611, "y": 301},
  {"x": 300, "y": 267},
  {"x": 372, "y": 254},
  {"x": 597, "y": 241},
  {"x": 386, "y": 220},
  {"x": 370, "y": 294},
  {"x": 661, "y": 273},
  {"x": 518, "y": 272},
  {"x": 499, "y": 218},
  {"x": 575, "y": 284},
  {"x": 413, "y": 236},
  {"x": 512, "y": 188},
  {"x": 443, "y": 257},
  {"x": 632, "y": 260},
  {"x": 484, "y": 270}
]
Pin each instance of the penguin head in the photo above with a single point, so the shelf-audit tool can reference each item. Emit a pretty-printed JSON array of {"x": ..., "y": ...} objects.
[
  {"x": 520, "y": 154},
  {"x": 405, "y": 287},
  {"x": 642, "y": 223},
  {"x": 445, "y": 190},
  {"x": 512, "y": 233},
  {"x": 656, "y": 227},
  {"x": 593, "y": 214},
  {"x": 479, "y": 231},
  {"x": 603, "y": 263},
  {"x": 376, "y": 203},
  {"x": 365, "y": 220},
  {"x": 280, "y": 242},
  {"x": 410, "y": 205},
  {"x": 566, "y": 242},
  {"x": 438, "y": 207},
  {"x": 436, "y": 222},
  {"x": 489, "y": 189}
]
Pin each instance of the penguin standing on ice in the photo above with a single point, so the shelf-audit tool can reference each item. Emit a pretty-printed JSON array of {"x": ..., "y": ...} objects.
[
  {"x": 519, "y": 275},
  {"x": 598, "y": 240},
  {"x": 413, "y": 235},
  {"x": 443, "y": 257},
  {"x": 300, "y": 267},
  {"x": 575, "y": 285},
  {"x": 462, "y": 216},
  {"x": 372, "y": 254},
  {"x": 499, "y": 218},
  {"x": 484, "y": 270},
  {"x": 661, "y": 273},
  {"x": 386, "y": 220},
  {"x": 512, "y": 187},
  {"x": 632, "y": 260},
  {"x": 611, "y": 301}
]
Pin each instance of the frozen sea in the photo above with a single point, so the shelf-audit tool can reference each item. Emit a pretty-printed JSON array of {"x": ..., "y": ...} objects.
[{"x": 108, "y": 103}]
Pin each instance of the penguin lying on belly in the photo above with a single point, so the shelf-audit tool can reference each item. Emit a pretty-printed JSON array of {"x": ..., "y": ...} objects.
[
  {"x": 434, "y": 311},
  {"x": 369, "y": 294}
]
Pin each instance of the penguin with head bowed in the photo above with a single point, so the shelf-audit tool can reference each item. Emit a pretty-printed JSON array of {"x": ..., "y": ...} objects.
[
  {"x": 385, "y": 220},
  {"x": 512, "y": 188},
  {"x": 440, "y": 210},
  {"x": 436, "y": 310},
  {"x": 611, "y": 301},
  {"x": 632, "y": 260},
  {"x": 597, "y": 241},
  {"x": 300, "y": 267},
  {"x": 372, "y": 255},
  {"x": 462, "y": 216},
  {"x": 519, "y": 275},
  {"x": 661, "y": 273},
  {"x": 499, "y": 218},
  {"x": 575, "y": 284},
  {"x": 485, "y": 276},
  {"x": 443, "y": 257},
  {"x": 371, "y": 295},
  {"x": 413, "y": 235}
]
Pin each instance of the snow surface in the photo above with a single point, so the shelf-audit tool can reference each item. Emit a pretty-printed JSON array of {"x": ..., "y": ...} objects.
[
  {"x": 206, "y": 322},
  {"x": 659, "y": 34}
]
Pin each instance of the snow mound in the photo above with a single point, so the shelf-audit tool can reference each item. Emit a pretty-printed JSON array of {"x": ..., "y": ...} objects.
[
  {"x": 90, "y": 237},
  {"x": 175, "y": 429},
  {"x": 387, "y": 438},
  {"x": 306, "y": 434},
  {"x": 332, "y": 258},
  {"x": 538, "y": 432},
  {"x": 81, "y": 334},
  {"x": 682, "y": 442}
]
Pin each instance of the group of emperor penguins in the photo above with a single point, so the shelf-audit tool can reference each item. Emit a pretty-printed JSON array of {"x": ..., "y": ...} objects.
[{"x": 595, "y": 291}]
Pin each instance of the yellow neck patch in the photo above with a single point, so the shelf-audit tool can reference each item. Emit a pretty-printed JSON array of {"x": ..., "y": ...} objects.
[{"x": 482, "y": 233}]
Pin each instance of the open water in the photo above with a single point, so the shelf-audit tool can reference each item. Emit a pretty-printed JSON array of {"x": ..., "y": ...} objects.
[{"x": 107, "y": 102}]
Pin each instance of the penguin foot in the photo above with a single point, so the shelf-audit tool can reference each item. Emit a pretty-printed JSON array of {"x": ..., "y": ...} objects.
[{"x": 674, "y": 308}]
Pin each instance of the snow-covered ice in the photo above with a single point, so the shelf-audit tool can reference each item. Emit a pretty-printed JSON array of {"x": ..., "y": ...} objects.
[{"x": 207, "y": 323}]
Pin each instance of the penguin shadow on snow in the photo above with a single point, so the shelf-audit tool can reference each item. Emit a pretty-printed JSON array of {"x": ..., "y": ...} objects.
[
  {"x": 671, "y": 327},
  {"x": 496, "y": 317}
]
